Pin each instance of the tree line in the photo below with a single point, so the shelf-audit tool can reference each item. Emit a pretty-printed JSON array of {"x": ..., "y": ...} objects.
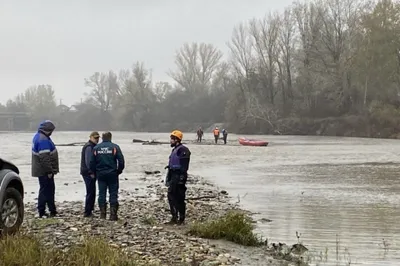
[{"x": 329, "y": 67}]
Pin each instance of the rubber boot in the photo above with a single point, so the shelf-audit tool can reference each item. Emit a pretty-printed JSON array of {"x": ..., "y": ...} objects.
[
  {"x": 103, "y": 212},
  {"x": 174, "y": 220},
  {"x": 113, "y": 213},
  {"x": 116, "y": 211}
]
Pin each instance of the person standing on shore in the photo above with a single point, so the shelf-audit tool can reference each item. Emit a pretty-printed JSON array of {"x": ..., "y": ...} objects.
[
  {"x": 216, "y": 134},
  {"x": 107, "y": 163},
  {"x": 200, "y": 134},
  {"x": 87, "y": 174},
  {"x": 178, "y": 166},
  {"x": 45, "y": 166},
  {"x": 224, "y": 135}
]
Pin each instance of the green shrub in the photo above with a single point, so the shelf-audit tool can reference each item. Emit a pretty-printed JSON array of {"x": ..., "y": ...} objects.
[{"x": 233, "y": 226}]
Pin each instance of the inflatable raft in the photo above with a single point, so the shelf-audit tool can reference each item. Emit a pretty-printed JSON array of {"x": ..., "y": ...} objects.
[{"x": 252, "y": 142}]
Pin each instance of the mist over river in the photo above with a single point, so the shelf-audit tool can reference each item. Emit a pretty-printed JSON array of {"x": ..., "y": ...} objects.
[{"x": 321, "y": 187}]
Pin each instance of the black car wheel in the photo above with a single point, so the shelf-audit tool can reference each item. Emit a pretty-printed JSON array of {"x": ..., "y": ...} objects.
[{"x": 11, "y": 211}]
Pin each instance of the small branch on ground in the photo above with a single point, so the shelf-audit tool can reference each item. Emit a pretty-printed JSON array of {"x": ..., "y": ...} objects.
[
  {"x": 202, "y": 197},
  {"x": 72, "y": 144}
]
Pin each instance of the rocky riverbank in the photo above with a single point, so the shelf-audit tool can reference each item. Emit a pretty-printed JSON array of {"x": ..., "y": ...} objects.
[{"x": 141, "y": 230}]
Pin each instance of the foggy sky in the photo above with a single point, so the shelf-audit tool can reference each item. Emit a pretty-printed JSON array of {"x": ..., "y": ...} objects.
[{"x": 62, "y": 42}]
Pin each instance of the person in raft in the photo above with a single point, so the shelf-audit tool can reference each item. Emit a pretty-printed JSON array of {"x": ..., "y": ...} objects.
[
  {"x": 178, "y": 167},
  {"x": 87, "y": 174},
  {"x": 107, "y": 163},
  {"x": 216, "y": 134}
]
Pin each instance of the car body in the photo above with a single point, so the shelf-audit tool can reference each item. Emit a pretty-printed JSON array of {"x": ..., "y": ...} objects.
[{"x": 11, "y": 198}]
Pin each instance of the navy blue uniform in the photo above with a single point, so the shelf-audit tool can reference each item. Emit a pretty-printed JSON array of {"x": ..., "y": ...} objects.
[
  {"x": 178, "y": 166},
  {"x": 107, "y": 163},
  {"x": 224, "y": 135},
  {"x": 90, "y": 181}
]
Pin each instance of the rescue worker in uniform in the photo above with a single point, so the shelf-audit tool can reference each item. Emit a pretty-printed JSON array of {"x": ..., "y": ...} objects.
[
  {"x": 87, "y": 175},
  {"x": 178, "y": 166},
  {"x": 216, "y": 134},
  {"x": 107, "y": 163}
]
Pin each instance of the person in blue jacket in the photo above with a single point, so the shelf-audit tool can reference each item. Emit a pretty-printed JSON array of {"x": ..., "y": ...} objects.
[
  {"x": 45, "y": 166},
  {"x": 107, "y": 163},
  {"x": 87, "y": 175}
]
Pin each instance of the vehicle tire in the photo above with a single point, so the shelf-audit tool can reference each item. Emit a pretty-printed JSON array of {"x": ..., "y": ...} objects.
[{"x": 11, "y": 212}]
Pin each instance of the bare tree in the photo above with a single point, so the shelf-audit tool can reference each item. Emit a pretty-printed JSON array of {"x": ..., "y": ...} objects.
[
  {"x": 136, "y": 94},
  {"x": 196, "y": 65},
  {"x": 339, "y": 36},
  {"x": 104, "y": 89},
  {"x": 265, "y": 33},
  {"x": 287, "y": 42},
  {"x": 243, "y": 62},
  {"x": 241, "y": 49},
  {"x": 257, "y": 111},
  {"x": 161, "y": 90},
  {"x": 309, "y": 29},
  {"x": 39, "y": 100}
]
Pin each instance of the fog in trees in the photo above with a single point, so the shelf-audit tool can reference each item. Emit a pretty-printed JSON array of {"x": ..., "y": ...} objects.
[{"x": 318, "y": 67}]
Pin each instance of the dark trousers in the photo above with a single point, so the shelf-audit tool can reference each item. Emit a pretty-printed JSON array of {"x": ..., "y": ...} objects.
[
  {"x": 90, "y": 194},
  {"x": 225, "y": 137},
  {"x": 47, "y": 189},
  {"x": 216, "y": 139},
  {"x": 176, "y": 200},
  {"x": 110, "y": 183},
  {"x": 199, "y": 137}
]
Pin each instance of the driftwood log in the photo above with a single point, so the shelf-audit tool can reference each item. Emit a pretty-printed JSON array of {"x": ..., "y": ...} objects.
[
  {"x": 72, "y": 144},
  {"x": 154, "y": 142},
  {"x": 202, "y": 197},
  {"x": 138, "y": 141}
]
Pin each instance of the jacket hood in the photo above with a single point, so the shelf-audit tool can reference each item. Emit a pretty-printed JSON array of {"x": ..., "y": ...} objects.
[{"x": 47, "y": 127}]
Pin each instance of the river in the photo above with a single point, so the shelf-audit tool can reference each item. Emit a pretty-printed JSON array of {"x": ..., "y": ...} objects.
[{"x": 336, "y": 192}]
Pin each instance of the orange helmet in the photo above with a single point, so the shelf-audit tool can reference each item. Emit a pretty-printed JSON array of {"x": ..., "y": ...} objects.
[{"x": 178, "y": 134}]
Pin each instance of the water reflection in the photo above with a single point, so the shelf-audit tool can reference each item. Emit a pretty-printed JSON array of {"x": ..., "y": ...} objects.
[{"x": 348, "y": 189}]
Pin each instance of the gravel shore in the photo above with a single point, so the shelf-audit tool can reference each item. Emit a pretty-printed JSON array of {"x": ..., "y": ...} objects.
[{"x": 141, "y": 230}]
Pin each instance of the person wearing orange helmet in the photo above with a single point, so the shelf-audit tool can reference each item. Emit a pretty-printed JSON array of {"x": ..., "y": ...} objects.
[{"x": 178, "y": 166}]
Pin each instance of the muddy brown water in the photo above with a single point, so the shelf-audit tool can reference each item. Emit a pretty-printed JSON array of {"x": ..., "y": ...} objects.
[{"x": 336, "y": 192}]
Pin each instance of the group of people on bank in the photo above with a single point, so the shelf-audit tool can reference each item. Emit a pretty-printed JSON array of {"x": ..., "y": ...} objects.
[
  {"x": 103, "y": 163},
  {"x": 216, "y": 134}
]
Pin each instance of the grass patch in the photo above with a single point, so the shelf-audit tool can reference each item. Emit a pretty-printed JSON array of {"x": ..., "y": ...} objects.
[
  {"x": 149, "y": 220},
  {"x": 233, "y": 226},
  {"x": 27, "y": 250},
  {"x": 45, "y": 222}
]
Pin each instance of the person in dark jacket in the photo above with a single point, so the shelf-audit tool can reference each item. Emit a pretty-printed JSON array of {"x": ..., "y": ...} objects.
[
  {"x": 45, "y": 166},
  {"x": 178, "y": 166},
  {"x": 87, "y": 174},
  {"x": 200, "y": 134},
  {"x": 107, "y": 163},
  {"x": 224, "y": 135}
]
